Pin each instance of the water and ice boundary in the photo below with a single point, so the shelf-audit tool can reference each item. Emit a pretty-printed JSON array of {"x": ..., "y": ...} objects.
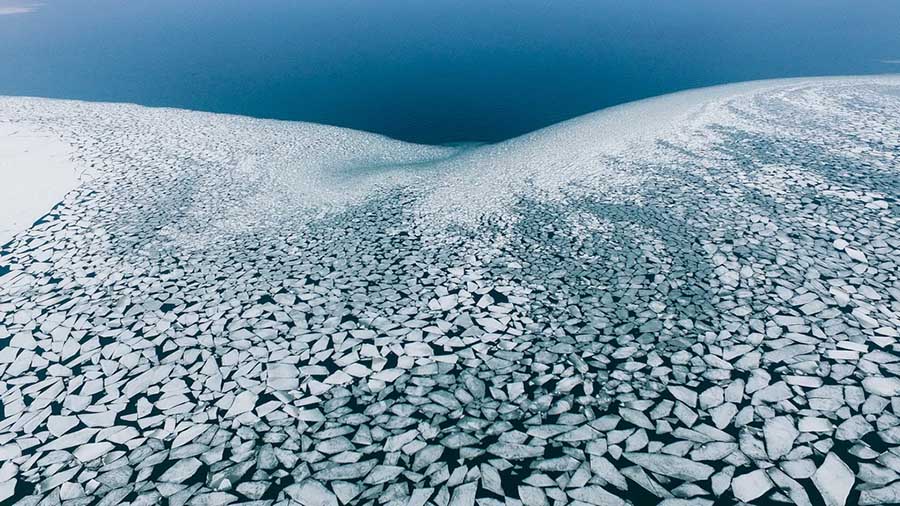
[
  {"x": 40, "y": 166},
  {"x": 693, "y": 300}
]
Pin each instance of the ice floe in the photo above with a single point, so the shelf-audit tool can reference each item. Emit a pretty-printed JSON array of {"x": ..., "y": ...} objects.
[{"x": 693, "y": 299}]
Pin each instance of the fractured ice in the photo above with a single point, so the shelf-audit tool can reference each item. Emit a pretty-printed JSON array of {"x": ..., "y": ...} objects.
[{"x": 685, "y": 300}]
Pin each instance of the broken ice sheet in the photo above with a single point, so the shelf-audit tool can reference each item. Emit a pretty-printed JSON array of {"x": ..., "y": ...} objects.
[{"x": 708, "y": 315}]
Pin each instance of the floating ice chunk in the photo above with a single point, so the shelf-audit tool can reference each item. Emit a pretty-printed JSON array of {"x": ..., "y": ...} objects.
[
  {"x": 670, "y": 465},
  {"x": 834, "y": 479},
  {"x": 750, "y": 486}
]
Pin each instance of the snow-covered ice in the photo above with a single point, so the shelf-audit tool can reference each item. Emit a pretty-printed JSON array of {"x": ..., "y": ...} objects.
[
  {"x": 692, "y": 299},
  {"x": 36, "y": 171}
]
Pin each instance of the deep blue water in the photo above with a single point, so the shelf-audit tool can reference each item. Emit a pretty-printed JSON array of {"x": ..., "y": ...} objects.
[{"x": 433, "y": 71}]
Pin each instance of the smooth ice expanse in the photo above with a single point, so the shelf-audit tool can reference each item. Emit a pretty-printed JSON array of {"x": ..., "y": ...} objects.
[
  {"x": 692, "y": 299},
  {"x": 36, "y": 171}
]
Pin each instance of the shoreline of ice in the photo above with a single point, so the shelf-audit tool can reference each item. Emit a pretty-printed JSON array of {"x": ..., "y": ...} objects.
[{"x": 333, "y": 156}]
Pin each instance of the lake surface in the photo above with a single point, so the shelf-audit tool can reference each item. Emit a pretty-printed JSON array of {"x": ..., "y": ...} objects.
[{"x": 432, "y": 71}]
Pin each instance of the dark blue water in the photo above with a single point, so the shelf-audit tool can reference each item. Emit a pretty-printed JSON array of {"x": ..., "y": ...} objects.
[{"x": 431, "y": 71}]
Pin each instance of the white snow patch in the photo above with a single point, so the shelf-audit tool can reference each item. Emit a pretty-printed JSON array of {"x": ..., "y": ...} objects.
[{"x": 36, "y": 171}]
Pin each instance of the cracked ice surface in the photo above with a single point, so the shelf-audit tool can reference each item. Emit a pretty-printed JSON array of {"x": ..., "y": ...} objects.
[{"x": 683, "y": 300}]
